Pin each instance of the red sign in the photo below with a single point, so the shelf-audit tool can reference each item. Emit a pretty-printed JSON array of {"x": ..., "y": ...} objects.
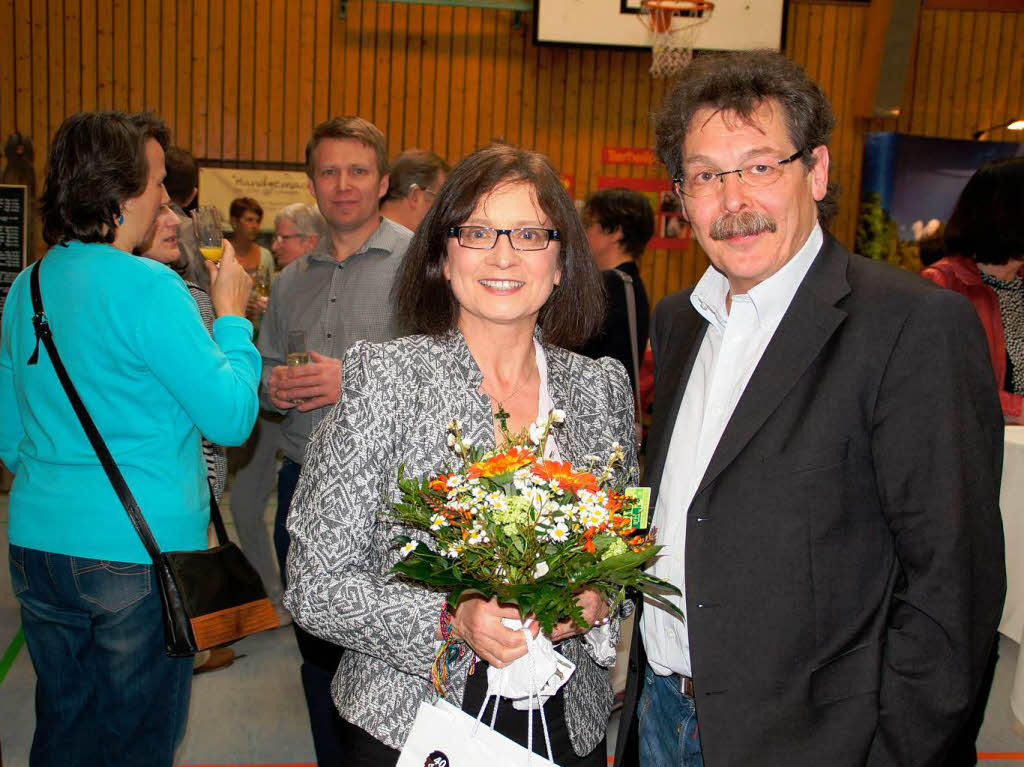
[
  {"x": 628, "y": 155},
  {"x": 670, "y": 228},
  {"x": 569, "y": 182}
]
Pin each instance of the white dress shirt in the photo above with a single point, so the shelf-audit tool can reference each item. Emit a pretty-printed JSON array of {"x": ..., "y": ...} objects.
[{"x": 735, "y": 340}]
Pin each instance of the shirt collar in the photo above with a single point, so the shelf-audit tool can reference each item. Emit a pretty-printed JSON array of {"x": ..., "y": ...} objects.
[
  {"x": 770, "y": 298},
  {"x": 382, "y": 240}
]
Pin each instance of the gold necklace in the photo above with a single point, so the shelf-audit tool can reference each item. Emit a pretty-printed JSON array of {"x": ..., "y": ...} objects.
[{"x": 501, "y": 415}]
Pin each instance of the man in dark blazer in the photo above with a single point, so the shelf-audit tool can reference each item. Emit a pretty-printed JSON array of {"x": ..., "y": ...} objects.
[{"x": 824, "y": 463}]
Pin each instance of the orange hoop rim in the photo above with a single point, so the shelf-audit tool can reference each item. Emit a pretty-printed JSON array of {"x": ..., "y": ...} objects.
[{"x": 677, "y": 5}]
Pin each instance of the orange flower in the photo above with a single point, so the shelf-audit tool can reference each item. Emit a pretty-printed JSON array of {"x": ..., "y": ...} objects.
[
  {"x": 568, "y": 479},
  {"x": 439, "y": 484},
  {"x": 589, "y": 538},
  {"x": 508, "y": 461}
]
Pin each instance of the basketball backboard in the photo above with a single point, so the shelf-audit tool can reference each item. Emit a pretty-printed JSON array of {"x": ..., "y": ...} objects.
[{"x": 734, "y": 24}]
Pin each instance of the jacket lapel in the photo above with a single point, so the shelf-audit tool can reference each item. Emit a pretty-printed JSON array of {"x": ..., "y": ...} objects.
[{"x": 808, "y": 324}]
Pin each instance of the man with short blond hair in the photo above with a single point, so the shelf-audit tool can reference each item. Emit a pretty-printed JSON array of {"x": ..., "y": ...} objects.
[{"x": 337, "y": 294}]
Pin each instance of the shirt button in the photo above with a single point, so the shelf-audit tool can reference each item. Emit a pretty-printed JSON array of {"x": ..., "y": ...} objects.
[
  {"x": 328, "y": 335},
  {"x": 333, "y": 300}
]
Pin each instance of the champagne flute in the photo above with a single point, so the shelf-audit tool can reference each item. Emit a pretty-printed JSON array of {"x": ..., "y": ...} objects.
[
  {"x": 261, "y": 282},
  {"x": 209, "y": 232},
  {"x": 298, "y": 354}
]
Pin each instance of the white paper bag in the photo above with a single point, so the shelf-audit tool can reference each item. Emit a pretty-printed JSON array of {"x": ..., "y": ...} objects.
[
  {"x": 445, "y": 736},
  {"x": 538, "y": 673}
]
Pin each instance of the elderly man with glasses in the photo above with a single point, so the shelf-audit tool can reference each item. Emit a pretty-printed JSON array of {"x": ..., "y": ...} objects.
[
  {"x": 416, "y": 176},
  {"x": 824, "y": 464},
  {"x": 297, "y": 230}
]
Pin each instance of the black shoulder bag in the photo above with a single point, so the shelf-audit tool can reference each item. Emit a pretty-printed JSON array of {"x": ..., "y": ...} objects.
[{"x": 211, "y": 597}]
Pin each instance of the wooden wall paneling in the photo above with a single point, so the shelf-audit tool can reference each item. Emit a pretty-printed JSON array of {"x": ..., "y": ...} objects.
[
  {"x": 411, "y": 135},
  {"x": 473, "y": 110},
  {"x": 1001, "y": 78},
  {"x": 40, "y": 128},
  {"x": 200, "y": 76},
  {"x": 54, "y": 64},
  {"x": 487, "y": 89},
  {"x": 555, "y": 115},
  {"x": 276, "y": 61},
  {"x": 367, "y": 58},
  {"x": 291, "y": 88},
  {"x": 8, "y": 118},
  {"x": 324, "y": 27},
  {"x": 501, "y": 79},
  {"x": 965, "y": 80},
  {"x": 104, "y": 54},
  {"x": 353, "y": 57},
  {"x": 262, "y": 58},
  {"x": 441, "y": 85},
  {"x": 334, "y": 77},
  {"x": 582, "y": 140},
  {"x": 229, "y": 83},
  {"x": 848, "y": 130},
  {"x": 1015, "y": 80},
  {"x": 215, "y": 87},
  {"x": 424, "y": 87},
  {"x": 151, "y": 56},
  {"x": 398, "y": 62},
  {"x": 527, "y": 107},
  {"x": 136, "y": 74},
  {"x": 511, "y": 129},
  {"x": 457, "y": 104},
  {"x": 382, "y": 68},
  {"x": 166, "y": 44},
  {"x": 303, "y": 117},
  {"x": 912, "y": 117},
  {"x": 933, "y": 101},
  {"x": 542, "y": 111},
  {"x": 841, "y": 90},
  {"x": 991, "y": 67},
  {"x": 74, "y": 87},
  {"x": 247, "y": 52},
  {"x": 181, "y": 56},
  {"x": 568, "y": 105},
  {"x": 598, "y": 121}
]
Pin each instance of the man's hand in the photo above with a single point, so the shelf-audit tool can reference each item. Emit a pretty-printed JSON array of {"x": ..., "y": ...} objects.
[
  {"x": 595, "y": 610},
  {"x": 306, "y": 387}
]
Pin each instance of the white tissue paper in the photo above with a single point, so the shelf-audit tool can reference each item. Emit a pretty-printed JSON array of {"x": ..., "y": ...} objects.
[{"x": 541, "y": 671}]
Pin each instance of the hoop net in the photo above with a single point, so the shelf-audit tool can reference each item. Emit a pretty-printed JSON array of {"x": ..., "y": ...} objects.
[{"x": 674, "y": 26}]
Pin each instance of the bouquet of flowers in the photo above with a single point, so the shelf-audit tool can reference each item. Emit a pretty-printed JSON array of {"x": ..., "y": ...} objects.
[{"x": 531, "y": 532}]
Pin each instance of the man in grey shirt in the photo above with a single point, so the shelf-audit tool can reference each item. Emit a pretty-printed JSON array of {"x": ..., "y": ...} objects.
[{"x": 337, "y": 294}]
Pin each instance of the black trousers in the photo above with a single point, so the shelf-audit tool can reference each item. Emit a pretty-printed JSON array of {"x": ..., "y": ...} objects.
[
  {"x": 319, "y": 658},
  {"x": 363, "y": 750}
]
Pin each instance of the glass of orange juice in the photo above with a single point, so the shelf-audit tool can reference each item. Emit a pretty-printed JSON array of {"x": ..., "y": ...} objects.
[{"x": 209, "y": 232}]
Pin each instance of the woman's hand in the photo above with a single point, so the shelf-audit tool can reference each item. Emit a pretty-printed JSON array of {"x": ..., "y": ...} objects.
[
  {"x": 477, "y": 621},
  {"x": 230, "y": 286},
  {"x": 595, "y": 611}
]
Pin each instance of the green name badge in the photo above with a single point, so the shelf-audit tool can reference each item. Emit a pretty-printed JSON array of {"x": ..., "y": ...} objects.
[{"x": 638, "y": 510}]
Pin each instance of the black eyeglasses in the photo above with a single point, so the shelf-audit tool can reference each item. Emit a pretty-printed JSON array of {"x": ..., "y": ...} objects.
[
  {"x": 283, "y": 237},
  {"x": 700, "y": 182},
  {"x": 485, "y": 238}
]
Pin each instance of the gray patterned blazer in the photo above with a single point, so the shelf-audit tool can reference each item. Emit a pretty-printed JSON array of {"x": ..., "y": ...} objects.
[{"x": 398, "y": 398}]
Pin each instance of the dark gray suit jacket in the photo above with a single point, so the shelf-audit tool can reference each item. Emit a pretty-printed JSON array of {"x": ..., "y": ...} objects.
[{"x": 844, "y": 550}]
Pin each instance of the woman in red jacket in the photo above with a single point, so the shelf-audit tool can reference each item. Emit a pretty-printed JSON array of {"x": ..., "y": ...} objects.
[{"x": 986, "y": 229}]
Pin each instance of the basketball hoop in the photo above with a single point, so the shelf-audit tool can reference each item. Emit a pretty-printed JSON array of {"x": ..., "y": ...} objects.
[{"x": 674, "y": 25}]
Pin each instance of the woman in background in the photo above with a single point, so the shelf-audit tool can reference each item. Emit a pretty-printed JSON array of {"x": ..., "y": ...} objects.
[
  {"x": 986, "y": 235},
  {"x": 152, "y": 379}
]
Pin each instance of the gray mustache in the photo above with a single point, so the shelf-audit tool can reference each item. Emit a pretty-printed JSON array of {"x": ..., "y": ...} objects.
[{"x": 742, "y": 225}]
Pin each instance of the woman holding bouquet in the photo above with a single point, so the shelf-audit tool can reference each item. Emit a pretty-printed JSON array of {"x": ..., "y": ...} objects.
[{"x": 496, "y": 281}]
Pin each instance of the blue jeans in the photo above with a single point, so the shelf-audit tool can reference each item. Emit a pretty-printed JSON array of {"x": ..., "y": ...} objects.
[
  {"x": 106, "y": 692},
  {"x": 667, "y": 725}
]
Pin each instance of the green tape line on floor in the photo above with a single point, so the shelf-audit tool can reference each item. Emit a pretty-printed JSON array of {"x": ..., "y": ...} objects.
[{"x": 11, "y": 653}]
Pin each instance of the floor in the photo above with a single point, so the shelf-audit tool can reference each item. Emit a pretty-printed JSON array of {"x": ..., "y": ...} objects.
[{"x": 253, "y": 712}]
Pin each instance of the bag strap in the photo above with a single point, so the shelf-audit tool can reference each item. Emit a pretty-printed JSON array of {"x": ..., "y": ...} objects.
[
  {"x": 124, "y": 494},
  {"x": 627, "y": 285}
]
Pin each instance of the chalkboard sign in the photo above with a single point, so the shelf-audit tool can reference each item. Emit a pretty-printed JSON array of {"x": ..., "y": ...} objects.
[{"x": 13, "y": 235}]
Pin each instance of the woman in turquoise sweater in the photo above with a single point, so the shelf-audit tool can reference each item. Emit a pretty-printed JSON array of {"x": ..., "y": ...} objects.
[{"x": 153, "y": 379}]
